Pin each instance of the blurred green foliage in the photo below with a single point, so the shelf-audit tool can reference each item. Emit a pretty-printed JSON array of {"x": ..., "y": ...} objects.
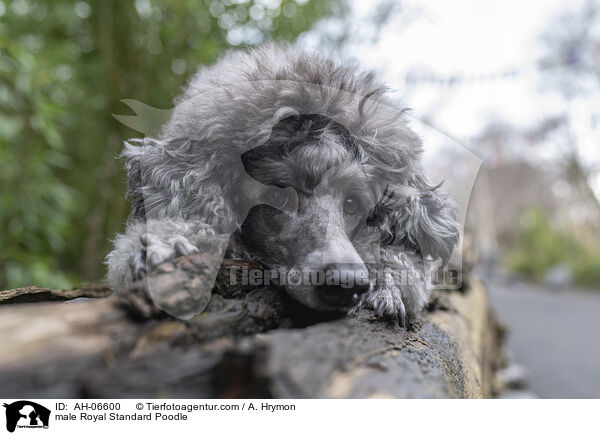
[
  {"x": 542, "y": 246},
  {"x": 64, "y": 67}
]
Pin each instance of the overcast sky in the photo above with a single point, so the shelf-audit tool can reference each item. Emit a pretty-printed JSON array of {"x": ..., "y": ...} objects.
[
  {"x": 472, "y": 39},
  {"x": 477, "y": 40}
]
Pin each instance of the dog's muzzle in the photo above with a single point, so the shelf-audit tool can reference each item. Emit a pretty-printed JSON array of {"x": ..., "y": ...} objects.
[{"x": 345, "y": 284}]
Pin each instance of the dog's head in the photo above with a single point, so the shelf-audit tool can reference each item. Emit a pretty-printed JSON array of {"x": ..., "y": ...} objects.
[
  {"x": 326, "y": 209},
  {"x": 307, "y": 161}
]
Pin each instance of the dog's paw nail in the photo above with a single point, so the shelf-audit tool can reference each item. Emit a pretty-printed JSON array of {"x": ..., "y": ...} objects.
[
  {"x": 182, "y": 250},
  {"x": 144, "y": 239},
  {"x": 401, "y": 315},
  {"x": 154, "y": 260},
  {"x": 401, "y": 319}
]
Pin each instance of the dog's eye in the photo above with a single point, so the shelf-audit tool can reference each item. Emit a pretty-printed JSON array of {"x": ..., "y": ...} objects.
[
  {"x": 351, "y": 205},
  {"x": 276, "y": 197}
]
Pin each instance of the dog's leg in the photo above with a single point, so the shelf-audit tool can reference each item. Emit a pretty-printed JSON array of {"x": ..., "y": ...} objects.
[
  {"x": 399, "y": 291},
  {"x": 145, "y": 245},
  {"x": 386, "y": 300}
]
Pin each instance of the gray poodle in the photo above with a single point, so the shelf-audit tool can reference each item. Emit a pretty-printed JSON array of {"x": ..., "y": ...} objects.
[{"x": 304, "y": 165}]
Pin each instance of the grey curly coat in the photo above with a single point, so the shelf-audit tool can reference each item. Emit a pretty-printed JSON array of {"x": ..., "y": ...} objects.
[{"x": 300, "y": 163}]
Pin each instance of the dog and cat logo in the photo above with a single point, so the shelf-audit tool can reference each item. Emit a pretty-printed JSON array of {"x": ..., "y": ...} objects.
[{"x": 25, "y": 414}]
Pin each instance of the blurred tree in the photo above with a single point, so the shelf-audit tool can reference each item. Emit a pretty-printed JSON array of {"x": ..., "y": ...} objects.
[
  {"x": 571, "y": 61},
  {"x": 361, "y": 23},
  {"x": 543, "y": 245},
  {"x": 571, "y": 66},
  {"x": 64, "y": 67}
]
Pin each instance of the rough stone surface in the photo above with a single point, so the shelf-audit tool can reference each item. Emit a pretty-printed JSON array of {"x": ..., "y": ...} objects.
[
  {"x": 256, "y": 344},
  {"x": 41, "y": 294}
]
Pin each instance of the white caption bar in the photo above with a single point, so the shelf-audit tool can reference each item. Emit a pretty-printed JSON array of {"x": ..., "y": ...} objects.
[{"x": 262, "y": 416}]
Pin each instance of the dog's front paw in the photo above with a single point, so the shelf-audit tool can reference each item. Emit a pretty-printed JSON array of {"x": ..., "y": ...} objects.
[
  {"x": 387, "y": 302},
  {"x": 155, "y": 251}
]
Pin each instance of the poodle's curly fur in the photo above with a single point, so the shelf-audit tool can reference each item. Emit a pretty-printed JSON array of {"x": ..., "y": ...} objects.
[{"x": 320, "y": 121}]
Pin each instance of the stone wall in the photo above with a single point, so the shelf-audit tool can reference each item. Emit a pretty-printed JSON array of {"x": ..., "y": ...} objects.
[{"x": 253, "y": 345}]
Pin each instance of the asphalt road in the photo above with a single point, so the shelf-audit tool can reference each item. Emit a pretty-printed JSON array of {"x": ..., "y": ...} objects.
[{"x": 555, "y": 335}]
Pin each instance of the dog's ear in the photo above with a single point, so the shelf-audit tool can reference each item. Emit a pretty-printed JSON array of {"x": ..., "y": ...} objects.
[
  {"x": 133, "y": 154},
  {"x": 423, "y": 220},
  {"x": 431, "y": 221}
]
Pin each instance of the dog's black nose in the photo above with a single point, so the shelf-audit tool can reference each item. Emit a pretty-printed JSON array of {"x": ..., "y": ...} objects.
[{"x": 344, "y": 283}]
